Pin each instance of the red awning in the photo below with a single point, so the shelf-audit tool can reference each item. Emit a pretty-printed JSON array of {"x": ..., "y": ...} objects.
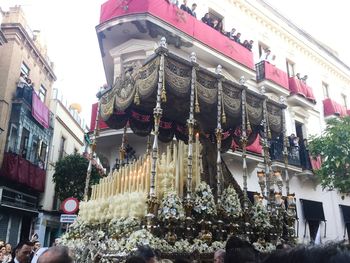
[
  {"x": 276, "y": 75},
  {"x": 332, "y": 107},
  {"x": 299, "y": 87}
]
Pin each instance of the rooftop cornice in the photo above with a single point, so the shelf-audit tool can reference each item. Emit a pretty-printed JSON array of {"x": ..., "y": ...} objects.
[
  {"x": 327, "y": 60},
  {"x": 20, "y": 28}
]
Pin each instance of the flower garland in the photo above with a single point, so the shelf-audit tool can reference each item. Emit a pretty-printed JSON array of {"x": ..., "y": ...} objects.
[
  {"x": 204, "y": 203},
  {"x": 230, "y": 202},
  {"x": 171, "y": 207}
]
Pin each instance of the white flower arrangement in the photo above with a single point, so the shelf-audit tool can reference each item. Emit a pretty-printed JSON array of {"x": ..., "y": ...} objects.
[
  {"x": 260, "y": 217},
  {"x": 264, "y": 247},
  {"x": 171, "y": 206},
  {"x": 204, "y": 203},
  {"x": 124, "y": 226},
  {"x": 230, "y": 202}
]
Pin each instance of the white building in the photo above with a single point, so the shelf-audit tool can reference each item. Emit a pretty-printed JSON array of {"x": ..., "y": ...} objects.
[
  {"x": 68, "y": 138},
  {"x": 128, "y": 35}
]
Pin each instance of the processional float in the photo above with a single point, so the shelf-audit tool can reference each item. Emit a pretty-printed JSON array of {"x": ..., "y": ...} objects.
[{"x": 178, "y": 197}]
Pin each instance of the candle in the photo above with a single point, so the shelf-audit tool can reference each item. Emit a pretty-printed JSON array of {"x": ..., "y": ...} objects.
[
  {"x": 278, "y": 199},
  {"x": 197, "y": 161},
  {"x": 278, "y": 176},
  {"x": 176, "y": 170},
  {"x": 261, "y": 176},
  {"x": 181, "y": 149}
]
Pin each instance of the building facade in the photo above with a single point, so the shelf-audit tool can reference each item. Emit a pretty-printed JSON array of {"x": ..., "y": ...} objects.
[
  {"x": 313, "y": 81},
  {"x": 26, "y": 79},
  {"x": 68, "y": 138}
]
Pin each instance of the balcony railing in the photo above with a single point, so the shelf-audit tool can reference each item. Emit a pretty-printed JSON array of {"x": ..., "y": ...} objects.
[
  {"x": 332, "y": 107},
  {"x": 181, "y": 20},
  {"x": 20, "y": 170},
  {"x": 276, "y": 153},
  {"x": 39, "y": 110},
  {"x": 297, "y": 155},
  {"x": 297, "y": 86},
  {"x": 267, "y": 71},
  {"x": 25, "y": 93}
]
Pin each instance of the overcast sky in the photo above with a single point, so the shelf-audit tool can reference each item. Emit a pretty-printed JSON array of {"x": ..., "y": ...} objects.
[{"x": 68, "y": 28}]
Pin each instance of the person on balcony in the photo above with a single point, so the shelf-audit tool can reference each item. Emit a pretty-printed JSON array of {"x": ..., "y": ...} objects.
[
  {"x": 237, "y": 38},
  {"x": 185, "y": 7},
  {"x": 220, "y": 27},
  {"x": 266, "y": 55},
  {"x": 207, "y": 20},
  {"x": 193, "y": 12},
  {"x": 231, "y": 34},
  {"x": 248, "y": 44}
]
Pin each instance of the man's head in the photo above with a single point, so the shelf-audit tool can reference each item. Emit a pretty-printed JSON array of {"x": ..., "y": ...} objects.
[
  {"x": 233, "y": 30},
  {"x": 219, "y": 256},
  {"x": 238, "y": 35},
  {"x": 23, "y": 251},
  {"x": 8, "y": 248},
  {"x": 58, "y": 254},
  {"x": 37, "y": 245},
  {"x": 146, "y": 253},
  {"x": 194, "y": 6},
  {"x": 185, "y": 2},
  {"x": 251, "y": 42}
]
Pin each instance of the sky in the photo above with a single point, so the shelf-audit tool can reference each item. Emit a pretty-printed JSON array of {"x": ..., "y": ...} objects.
[{"x": 68, "y": 28}]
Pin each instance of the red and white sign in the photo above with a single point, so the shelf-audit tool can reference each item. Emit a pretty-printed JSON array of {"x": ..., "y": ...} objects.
[{"x": 70, "y": 205}]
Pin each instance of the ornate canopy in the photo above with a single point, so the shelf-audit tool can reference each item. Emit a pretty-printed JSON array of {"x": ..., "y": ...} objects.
[{"x": 133, "y": 98}]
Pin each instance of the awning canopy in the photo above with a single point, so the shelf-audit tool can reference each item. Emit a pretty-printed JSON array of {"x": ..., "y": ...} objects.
[
  {"x": 313, "y": 210},
  {"x": 133, "y": 98}
]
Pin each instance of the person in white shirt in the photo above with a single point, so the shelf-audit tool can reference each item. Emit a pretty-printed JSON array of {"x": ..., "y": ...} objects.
[{"x": 266, "y": 55}]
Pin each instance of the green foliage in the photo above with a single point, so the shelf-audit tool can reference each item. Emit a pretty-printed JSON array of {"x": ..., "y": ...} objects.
[
  {"x": 70, "y": 175},
  {"x": 334, "y": 148}
]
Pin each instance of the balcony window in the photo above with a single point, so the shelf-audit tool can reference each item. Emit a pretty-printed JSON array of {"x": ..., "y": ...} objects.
[
  {"x": 344, "y": 100},
  {"x": 24, "y": 143},
  {"x": 42, "y": 93},
  {"x": 325, "y": 90},
  {"x": 61, "y": 153},
  {"x": 13, "y": 137},
  {"x": 25, "y": 69},
  {"x": 290, "y": 68}
]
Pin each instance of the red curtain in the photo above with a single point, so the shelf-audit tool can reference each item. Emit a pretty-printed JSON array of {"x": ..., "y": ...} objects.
[
  {"x": 276, "y": 75},
  {"x": 22, "y": 171},
  {"x": 102, "y": 124},
  {"x": 39, "y": 111}
]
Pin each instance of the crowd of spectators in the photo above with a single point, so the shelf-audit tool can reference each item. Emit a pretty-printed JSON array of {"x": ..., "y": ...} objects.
[{"x": 215, "y": 23}]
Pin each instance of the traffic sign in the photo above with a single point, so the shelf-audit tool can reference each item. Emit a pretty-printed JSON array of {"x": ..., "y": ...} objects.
[
  {"x": 70, "y": 205},
  {"x": 67, "y": 218}
]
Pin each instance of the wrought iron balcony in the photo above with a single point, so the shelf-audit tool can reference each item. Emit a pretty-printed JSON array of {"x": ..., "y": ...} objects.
[
  {"x": 272, "y": 78},
  {"x": 276, "y": 153},
  {"x": 297, "y": 155}
]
